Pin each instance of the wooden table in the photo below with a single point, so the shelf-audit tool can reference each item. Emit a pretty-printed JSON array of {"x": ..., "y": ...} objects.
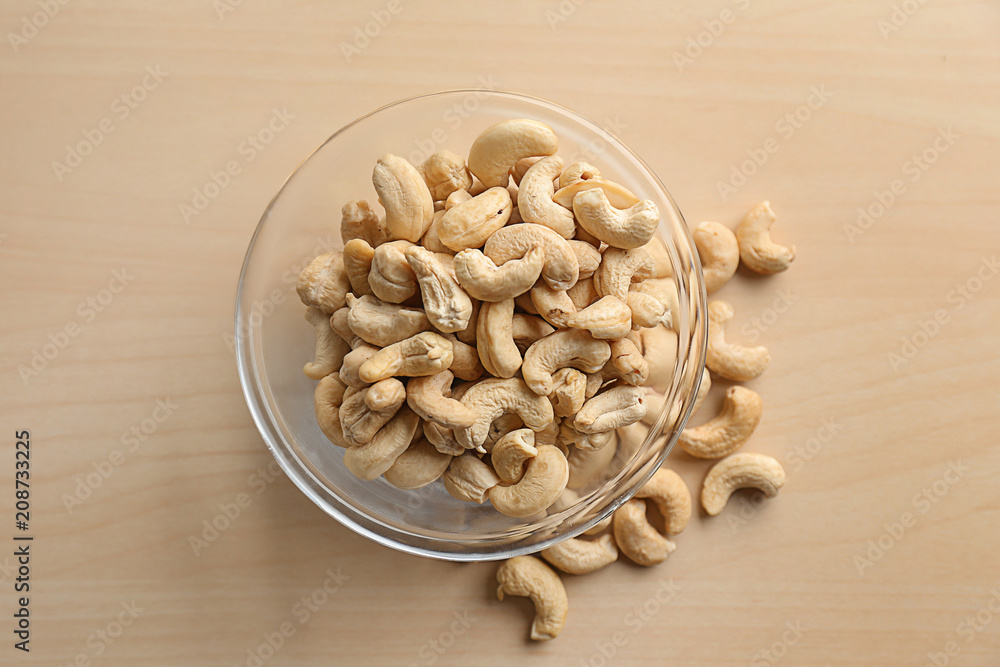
[{"x": 873, "y": 131}]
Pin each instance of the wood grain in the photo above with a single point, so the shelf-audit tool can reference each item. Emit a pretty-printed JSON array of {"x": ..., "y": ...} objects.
[{"x": 737, "y": 579}]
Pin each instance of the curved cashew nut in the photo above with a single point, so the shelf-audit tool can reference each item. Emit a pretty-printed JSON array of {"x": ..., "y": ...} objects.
[
  {"x": 428, "y": 397},
  {"x": 327, "y": 399},
  {"x": 576, "y": 556},
  {"x": 545, "y": 477},
  {"x": 636, "y": 538},
  {"x": 757, "y": 251},
  {"x": 659, "y": 346},
  {"x": 566, "y": 348},
  {"x": 323, "y": 283},
  {"x": 497, "y": 350},
  {"x": 534, "y": 198},
  {"x": 470, "y": 223},
  {"x": 445, "y": 173},
  {"x": 665, "y": 291},
  {"x": 442, "y": 438},
  {"x": 493, "y": 397},
  {"x": 527, "y": 576},
  {"x": 588, "y": 466},
  {"x": 577, "y": 172},
  {"x": 733, "y": 362},
  {"x": 500, "y": 146},
  {"x": 426, "y": 353},
  {"x": 740, "y": 471},
  {"x": 627, "y": 363},
  {"x": 518, "y": 171},
  {"x": 391, "y": 277},
  {"x": 370, "y": 460},
  {"x": 553, "y": 305},
  {"x": 628, "y": 228},
  {"x": 618, "y": 196},
  {"x": 359, "y": 221},
  {"x": 404, "y": 196},
  {"x": 330, "y": 348},
  {"x": 569, "y": 391},
  {"x": 647, "y": 310},
  {"x": 587, "y": 256},
  {"x": 511, "y": 452},
  {"x": 615, "y": 408},
  {"x": 526, "y": 329},
  {"x": 418, "y": 466},
  {"x": 561, "y": 270},
  {"x": 350, "y": 372},
  {"x": 470, "y": 479},
  {"x": 501, "y": 426},
  {"x": 364, "y": 412},
  {"x": 447, "y": 306},
  {"x": 672, "y": 498},
  {"x": 583, "y": 293},
  {"x": 619, "y": 269},
  {"x": 486, "y": 281},
  {"x": 607, "y": 318},
  {"x": 380, "y": 323},
  {"x": 719, "y": 252},
  {"x": 728, "y": 431},
  {"x": 358, "y": 256}
]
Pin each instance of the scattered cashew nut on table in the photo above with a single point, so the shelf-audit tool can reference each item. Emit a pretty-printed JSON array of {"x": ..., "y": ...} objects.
[
  {"x": 740, "y": 471},
  {"x": 530, "y": 577}
]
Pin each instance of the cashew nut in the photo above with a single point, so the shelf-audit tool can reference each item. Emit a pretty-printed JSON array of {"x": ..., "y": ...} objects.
[
  {"x": 566, "y": 348},
  {"x": 428, "y": 396},
  {"x": 719, "y": 252},
  {"x": 367, "y": 410},
  {"x": 657, "y": 402},
  {"x": 583, "y": 293},
  {"x": 323, "y": 283},
  {"x": 619, "y": 269},
  {"x": 608, "y": 318},
  {"x": 527, "y": 576},
  {"x": 628, "y": 228},
  {"x": 568, "y": 437},
  {"x": 358, "y": 221},
  {"x": 561, "y": 270},
  {"x": 484, "y": 280},
  {"x": 526, "y": 329},
  {"x": 404, "y": 195},
  {"x": 391, "y": 277},
  {"x": 445, "y": 173},
  {"x": 430, "y": 239},
  {"x": 442, "y": 438},
  {"x": 465, "y": 365},
  {"x": 534, "y": 198},
  {"x": 370, "y": 460},
  {"x": 569, "y": 389},
  {"x": 497, "y": 350},
  {"x": 381, "y": 323},
  {"x": 330, "y": 348},
  {"x": 500, "y": 146},
  {"x": 353, "y": 361},
  {"x": 615, "y": 408},
  {"x": 493, "y": 397},
  {"x": 470, "y": 223},
  {"x": 647, "y": 311},
  {"x": 553, "y": 305},
  {"x": 672, "y": 498},
  {"x": 636, "y": 538},
  {"x": 577, "y": 556},
  {"x": 757, "y": 251},
  {"x": 426, "y": 353},
  {"x": 358, "y": 256},
  {"x": 577, "y": 172},
  {"x": 618, "y": 196},
  {"x": 740, "y": 471},
  {"x": 733, "y": 362},
  {"x": 511, "y": 452},
  {"x": 338, "y": 322},
  {"x": 447, "y": 306},
  {"x": 740, "y": 415},
  {"x": 327, "y": 399},
  {"x": 665, "y": 291},
  {"x": 587, "y": 256},
  {"x": 470, "y": 479},
  {"x": 518, "y": 171},
  {"x": 501, "y": 426},
  {"x": 660, "y": 351},
  {"x": 627, "y": 363},
  {"x": 545, "y": 477},
  {"x": 588, "y": 466},
  {"x": 418, "y": 466}
]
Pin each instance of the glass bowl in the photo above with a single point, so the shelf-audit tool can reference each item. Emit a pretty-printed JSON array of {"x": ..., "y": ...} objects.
[{"x": 273, "y": 340}]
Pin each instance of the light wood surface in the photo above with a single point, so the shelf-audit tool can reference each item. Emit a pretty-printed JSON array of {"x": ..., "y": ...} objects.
[{"x": 742, "y": 579}]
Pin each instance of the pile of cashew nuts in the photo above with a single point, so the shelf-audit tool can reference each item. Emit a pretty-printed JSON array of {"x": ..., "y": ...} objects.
[{"x": 506, "y": 328}]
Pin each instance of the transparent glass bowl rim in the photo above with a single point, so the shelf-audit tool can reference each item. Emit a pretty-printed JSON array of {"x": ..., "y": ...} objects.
[{"x": 300, "y": 478}]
